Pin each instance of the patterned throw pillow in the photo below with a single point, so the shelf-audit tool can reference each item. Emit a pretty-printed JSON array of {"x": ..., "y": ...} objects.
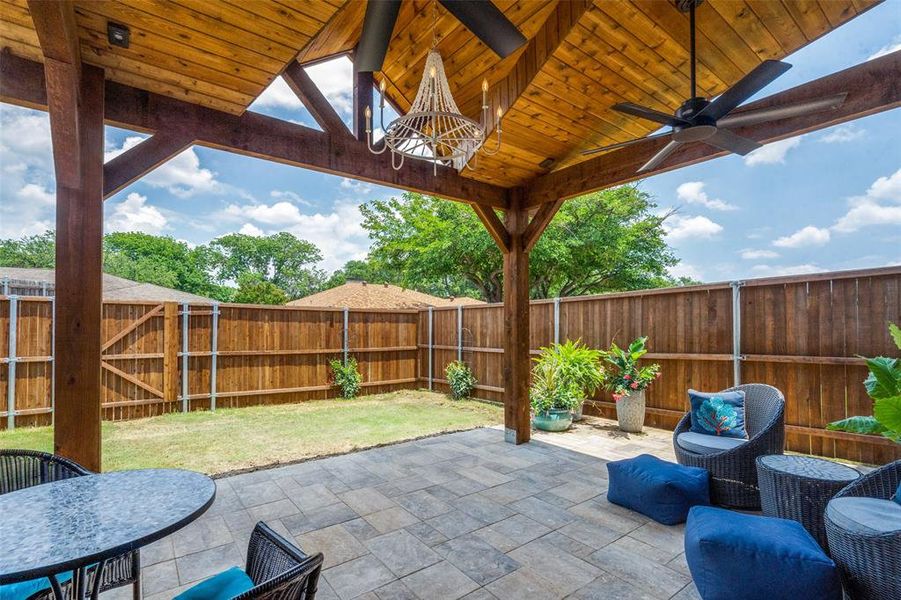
[{"x": 718, "y": 413}]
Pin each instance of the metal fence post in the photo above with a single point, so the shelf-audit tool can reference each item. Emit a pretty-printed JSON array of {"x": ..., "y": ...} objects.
[
  {"x": 431, "y": 317},
  {"x": 214, "y": 354},
  {"x": 53, "y": 359},
  {"x": 736, "y": 331},
  {"x": 11, "y": 364},
  {"x": 556, "y": 320},
  {"x": 185, "y": 308},
  {"x": 6, "y": 286},
  {"x": 344, "y": 346},
  {"x": 460, "y": 333}
]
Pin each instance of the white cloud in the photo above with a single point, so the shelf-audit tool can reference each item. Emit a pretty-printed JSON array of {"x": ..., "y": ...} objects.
[
  {"x": 251, "y": 229},
  {"x": 277, "y": 95},
  {"x": 27, "y": 204},
  {"x": 843, "y": 134},
  {"x": 181, "y": 176},
  {"x": 772, "y": 153},
  {"x": 892, "y": 46},
  {"x": 771, "y": 271},
  {"x": 693, "y": 193},
  {"x": 334, "y": 78},
  {"x": 679, "y": 228},
  {"x": 289, "y": 196},
  {"x": 358, "y": 187},
  {"x": 749, "y": 254},
  {"x": 684, "y": 269},
  {"x": 804, "y": 237},
  {"x": 880, "y": 205},
  {"x": 134, "y": 214},
  {"x": 32, "y": 193}
]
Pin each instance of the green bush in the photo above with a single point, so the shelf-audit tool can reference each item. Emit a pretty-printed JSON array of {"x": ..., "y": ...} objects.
[
  {"x": 346, "y": 377},
  {"x": 564, "y": 375},
  {"x": 460, "y": 379}
]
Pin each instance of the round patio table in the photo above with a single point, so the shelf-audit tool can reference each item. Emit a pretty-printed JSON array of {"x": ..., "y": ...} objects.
[
  {"x": 799, "y": 487},
  {"x": 75, "y": 525}
]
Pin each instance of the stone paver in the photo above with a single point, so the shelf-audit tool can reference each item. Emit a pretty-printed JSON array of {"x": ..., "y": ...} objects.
[{"x": 463, "y": 515}]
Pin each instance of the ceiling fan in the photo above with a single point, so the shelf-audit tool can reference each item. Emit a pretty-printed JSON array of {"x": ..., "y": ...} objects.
[
  {"x": 481, "y": 17},
  {"x": 702, "y": 120}
]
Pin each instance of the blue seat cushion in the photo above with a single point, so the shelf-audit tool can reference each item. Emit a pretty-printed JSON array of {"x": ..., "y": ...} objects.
[
  {"x": 718, "y": 413},
  {"x": 897, "y": 496},
  {"x": 736, "y": 556},
  {"x": 227, "y": 584},
  {"x": 700, "y": 443},
  {"x": 25, "y": 589},
  {"x": 661, "y": 490},
  {"x": 867, "y": 516}
]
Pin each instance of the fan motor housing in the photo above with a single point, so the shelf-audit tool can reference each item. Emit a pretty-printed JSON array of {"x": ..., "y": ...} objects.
[{"x": 699, "y": 127}]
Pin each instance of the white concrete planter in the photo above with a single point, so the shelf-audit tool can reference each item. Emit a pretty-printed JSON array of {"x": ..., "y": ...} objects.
[{"x": 630, "y": 412}]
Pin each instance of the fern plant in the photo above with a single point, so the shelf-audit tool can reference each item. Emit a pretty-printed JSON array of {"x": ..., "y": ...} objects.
[
  {"x": 346, "y": 377},
  {"x": 460, "y": 379},
  {"x": 564, "y": 375}
]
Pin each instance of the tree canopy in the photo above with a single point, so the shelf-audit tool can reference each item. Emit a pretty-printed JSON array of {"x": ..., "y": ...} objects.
[{"x": 606, "y": 241}]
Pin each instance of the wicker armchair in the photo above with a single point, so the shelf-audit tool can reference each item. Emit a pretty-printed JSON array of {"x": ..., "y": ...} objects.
[
  {"x": 870, "y": 563},
  {"x": 733, "y": 473},
  {"x": 21, "y": 469},
  {"x": 279, "y": 569}
]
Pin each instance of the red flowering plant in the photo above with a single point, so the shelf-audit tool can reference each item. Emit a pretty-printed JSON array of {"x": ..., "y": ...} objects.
[{"x": 624, "y": 376}]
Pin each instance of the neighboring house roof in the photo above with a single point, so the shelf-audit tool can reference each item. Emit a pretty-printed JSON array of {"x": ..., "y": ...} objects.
[
  {"x": 34, "y": 282},
  {"x": 360, "y": 294}
]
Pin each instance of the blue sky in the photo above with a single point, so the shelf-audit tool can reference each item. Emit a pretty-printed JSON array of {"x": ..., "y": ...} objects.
[{"x": 828, "y": 200}]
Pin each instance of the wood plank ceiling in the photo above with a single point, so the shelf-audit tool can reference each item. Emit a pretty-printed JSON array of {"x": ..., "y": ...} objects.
[{"x": 223, "y": 53}]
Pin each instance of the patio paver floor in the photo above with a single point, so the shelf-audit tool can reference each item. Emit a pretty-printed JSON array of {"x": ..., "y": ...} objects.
[{"x": 461, "y": 515}]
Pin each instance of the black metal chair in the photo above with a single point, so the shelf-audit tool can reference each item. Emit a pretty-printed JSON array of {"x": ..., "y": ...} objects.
[
  {"x": 869, "y": 559},
  {"x": 733, "y": 472},
  {"x": 279, "y": 569},
  {"x": 21, "y": 469}
]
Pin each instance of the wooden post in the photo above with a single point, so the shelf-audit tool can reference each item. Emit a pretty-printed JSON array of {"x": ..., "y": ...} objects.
[
  {"x": 517, "y": 426},
  {"x": 79, "y": 234},
  {"x": 363, "y": 83},
  {"x": 170, "y": 352}
]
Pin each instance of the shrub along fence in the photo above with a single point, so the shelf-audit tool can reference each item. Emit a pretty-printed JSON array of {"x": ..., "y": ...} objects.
[{"x": 801, "y": 334}]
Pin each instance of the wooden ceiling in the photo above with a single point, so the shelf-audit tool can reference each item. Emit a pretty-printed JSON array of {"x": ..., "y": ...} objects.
[{"x": 582, "y": 57}]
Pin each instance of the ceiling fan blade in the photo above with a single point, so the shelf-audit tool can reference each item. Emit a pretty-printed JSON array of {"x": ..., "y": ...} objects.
[
  {"x": 660, "y": 156},
  {"x": 378, "y": 27},
  {"x": 624, "y": 144},
  {"x": 762, "y": 75},
  {"x": 726, "y": 140},
  {"x": 488, "y": 24},
  {"x": 775, "y": 113},
  {"x": 650, "y": 114}
]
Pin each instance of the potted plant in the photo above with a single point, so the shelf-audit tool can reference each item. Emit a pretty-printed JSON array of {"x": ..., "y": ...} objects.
[
  {"x": 627, "y": 382},
  {"x": 564, "y": 374}
]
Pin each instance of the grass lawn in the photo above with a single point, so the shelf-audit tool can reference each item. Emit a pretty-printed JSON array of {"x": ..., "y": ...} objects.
[{"x": 242, "y": 438}]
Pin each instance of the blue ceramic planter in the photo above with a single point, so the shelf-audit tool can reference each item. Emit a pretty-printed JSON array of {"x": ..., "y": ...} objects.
[{"x": 553, "y": 420}]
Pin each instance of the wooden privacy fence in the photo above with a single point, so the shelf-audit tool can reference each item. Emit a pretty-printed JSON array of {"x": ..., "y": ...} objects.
[
  {"x": 800, "y": 334},
  {"x": 165, "y": 357}
]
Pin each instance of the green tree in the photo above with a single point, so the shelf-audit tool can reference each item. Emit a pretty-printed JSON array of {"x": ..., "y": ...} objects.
[
  {"x": 253, "y": 289},
  {"x": 280, "y": 259},
  {"x": 359, "y": 270},
  {"x": 35, "y": 251},
  {"x": 606, "y": 241}
]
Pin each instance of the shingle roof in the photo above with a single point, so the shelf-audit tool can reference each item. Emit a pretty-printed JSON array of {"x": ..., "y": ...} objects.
[
  {"x": 114, "y": 288},
  {"x": 360, "y": 294}
]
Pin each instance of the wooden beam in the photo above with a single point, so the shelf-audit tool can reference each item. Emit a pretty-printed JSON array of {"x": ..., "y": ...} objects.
[
  {"x": 317, "y": 104},
  {"x": 872, "y": 87},
  {"x": 517, "y": 361},
  {"x": 136, "y": 162},
  {"x": 494, "y": 225},
  {"x": 363, "y": 83},
  {"x": 539, "y": 223},
  {"x": 256, "y": 135}
]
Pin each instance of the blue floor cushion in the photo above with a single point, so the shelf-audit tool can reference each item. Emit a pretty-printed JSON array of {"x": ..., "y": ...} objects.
[
  {"x": 25, "y": 589},
  {"x": 737, "y": 556},
  {"x": 226, "y": 584},
  {"x": 700, "y": 443},
  {"x": 661, "y": 490},
  {"x": 866, "y": 516}
]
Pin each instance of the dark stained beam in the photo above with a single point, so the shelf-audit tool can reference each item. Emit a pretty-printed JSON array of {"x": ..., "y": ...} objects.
[
  {"x": 494, "y": 225},
  {"x": 539, "y": 223},
  {"x": 363, "y": 83},
  {"x": 517, "y": 361},
  {"x": 136, "y": 162},
  {"x": 253, "y": 134},
  {"x": 872, "y": 87},
  {"x": 302, "y": 85}
]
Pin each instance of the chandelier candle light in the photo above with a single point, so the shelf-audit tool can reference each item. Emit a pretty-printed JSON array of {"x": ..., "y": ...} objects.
[{"x": 434, "y": 130}]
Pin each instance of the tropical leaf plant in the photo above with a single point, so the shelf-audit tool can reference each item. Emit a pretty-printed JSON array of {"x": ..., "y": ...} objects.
[{"x": 564, "y": 375}]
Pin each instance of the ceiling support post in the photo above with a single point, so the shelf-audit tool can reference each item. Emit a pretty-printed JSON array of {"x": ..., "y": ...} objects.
[{"x": 363, "y": 83}]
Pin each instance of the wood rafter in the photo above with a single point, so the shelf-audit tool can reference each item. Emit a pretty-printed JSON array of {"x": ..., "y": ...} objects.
[
  {"x": 494, "y": 225},
  {"x": 253, "y": 134},
  {"x": 136, "y": 162},
  {"x": 302, "y": 85},
  {"x": 872, "y": 87},
  {"x": 539, "y": 223}
]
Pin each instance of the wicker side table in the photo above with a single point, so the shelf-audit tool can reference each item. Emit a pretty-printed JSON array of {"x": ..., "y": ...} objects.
[{"x": 799, "y": 487}]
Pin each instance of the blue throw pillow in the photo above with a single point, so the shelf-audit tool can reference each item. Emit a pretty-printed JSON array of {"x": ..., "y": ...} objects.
[
  {"x": 226, "y": 584},
  {"x": 897, "y": 496},
  {"x": 718, "y": 413}
]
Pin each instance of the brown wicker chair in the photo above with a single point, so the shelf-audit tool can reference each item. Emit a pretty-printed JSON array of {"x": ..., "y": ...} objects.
[
  {"x": 733, "y": 473},
  {"x": 21, "y": 469},
  {"x": 279, "y": 569}
]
